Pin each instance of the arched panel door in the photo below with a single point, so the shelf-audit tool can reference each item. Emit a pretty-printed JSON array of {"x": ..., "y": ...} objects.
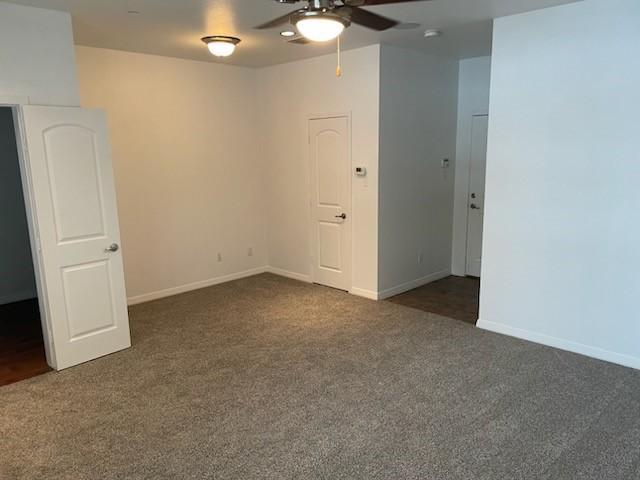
[
  {"x": 329, "y": 142},
  {"x": 77, "y": 232}
]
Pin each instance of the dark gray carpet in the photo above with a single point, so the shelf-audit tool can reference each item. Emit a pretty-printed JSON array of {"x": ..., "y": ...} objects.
[{"x": 268, "y": 378}]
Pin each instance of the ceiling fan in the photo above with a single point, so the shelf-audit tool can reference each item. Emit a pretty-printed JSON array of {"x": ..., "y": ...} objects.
[{"x": 324, "y": 20}]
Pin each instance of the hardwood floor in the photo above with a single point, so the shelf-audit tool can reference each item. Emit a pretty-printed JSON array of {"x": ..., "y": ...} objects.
[
  {"x": 454, "y": 297},
  {"x": 21, "y": 345}
]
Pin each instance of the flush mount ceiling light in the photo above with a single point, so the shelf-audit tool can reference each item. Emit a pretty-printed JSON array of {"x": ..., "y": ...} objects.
[
  {"x": 221, "y": 46},
  {"x": 432, "y": 33},
  {"x": 319, "y": 25},
  {"x": 288, "y": 33}
]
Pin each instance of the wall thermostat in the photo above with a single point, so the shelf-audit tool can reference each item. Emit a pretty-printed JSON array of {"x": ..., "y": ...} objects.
[{"x": 361, "y": 171}]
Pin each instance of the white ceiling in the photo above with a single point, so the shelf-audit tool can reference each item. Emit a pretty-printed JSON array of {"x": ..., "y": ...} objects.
[{"x": 174, "y": 27}]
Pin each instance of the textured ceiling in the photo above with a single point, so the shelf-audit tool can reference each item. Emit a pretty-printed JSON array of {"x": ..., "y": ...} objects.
[{"x": 174, "y": 27}]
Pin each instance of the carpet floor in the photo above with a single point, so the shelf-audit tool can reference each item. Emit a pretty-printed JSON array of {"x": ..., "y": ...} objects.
[{"x": 268, "y": 378}]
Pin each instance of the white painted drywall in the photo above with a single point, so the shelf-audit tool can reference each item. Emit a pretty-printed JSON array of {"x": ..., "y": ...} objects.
[
  {"x": 418, "y": 111},
  {"x": 473, "y": 99},
  {"x": 17, "y": 281},
  {"x": 561, "y": 254},
  {"x": 37, "y": 58},
  {"x": 188, "y": 167},
  {"x": 291, "y": 93}
]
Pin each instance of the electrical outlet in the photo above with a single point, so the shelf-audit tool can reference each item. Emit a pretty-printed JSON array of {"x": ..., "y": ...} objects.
[
  {"x": 250, "y": 252},
  {"x": 219, "y": 257}
]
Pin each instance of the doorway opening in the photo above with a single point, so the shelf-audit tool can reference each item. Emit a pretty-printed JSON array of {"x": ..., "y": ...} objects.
[
  {"x": 22, "y": 352},
  {"x": 458, "y": 297}
]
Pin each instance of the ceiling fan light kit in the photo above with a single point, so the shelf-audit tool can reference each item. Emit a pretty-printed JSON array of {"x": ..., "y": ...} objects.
[
  {"x": 320, "y": 25},
  {"x": 221, "y": 46},
  {"x": 324, "y": 20}
]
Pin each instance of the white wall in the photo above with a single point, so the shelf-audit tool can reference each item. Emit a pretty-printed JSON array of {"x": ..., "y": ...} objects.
[
  {"x": 37, "y": 66},
  {"x": 37, "y": 56},
  {"x": 17, "y": 281},
  {"x": 291, "y": 92},
  {"x": 188, "y": 166},
  {"x": 473, "y": 99},
  {"x": 561, "y": 256},
  {"x": 418, "y": 108}
]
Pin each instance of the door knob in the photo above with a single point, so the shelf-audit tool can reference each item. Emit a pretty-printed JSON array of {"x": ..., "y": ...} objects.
[
  {"x": 343, "y": 216},
  {"x": 114, "y": 247},
  {"x": 473, "y": 206}
]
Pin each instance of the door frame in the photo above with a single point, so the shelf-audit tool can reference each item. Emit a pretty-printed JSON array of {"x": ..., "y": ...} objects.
[
  {"x": 15, "y": 103},
  {"x": 312, "y": 253},
  {"x": 467, "y": 189}
]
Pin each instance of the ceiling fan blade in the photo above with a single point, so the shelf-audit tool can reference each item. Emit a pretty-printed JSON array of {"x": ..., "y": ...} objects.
[
  {"x": 300, "y": 41},
  {"x": 276, "y": 22},
  {"x": 367, "y": 19}
]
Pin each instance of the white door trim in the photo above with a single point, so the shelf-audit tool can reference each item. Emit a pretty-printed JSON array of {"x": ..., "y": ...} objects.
[
  {"x": 13, "y": 100},
  {"x": 467, "y": 186},
  {"x": 461, "y": 201},
  {"x": 15, "y": 103},
  {"x": 310, "y": 229}
]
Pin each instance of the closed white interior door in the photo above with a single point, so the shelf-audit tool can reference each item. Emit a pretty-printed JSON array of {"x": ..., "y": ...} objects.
[
  {"x": 478, "y": 166},
  {"x": 77, "y": 233},
  {"x": 330, "y": 146}
]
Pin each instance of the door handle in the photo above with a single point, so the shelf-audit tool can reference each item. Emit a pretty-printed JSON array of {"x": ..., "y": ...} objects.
[
  {"x": 343, "y": 216},
  {"x": 473, "y": 206},
  {"x": 113, "y": 248}
]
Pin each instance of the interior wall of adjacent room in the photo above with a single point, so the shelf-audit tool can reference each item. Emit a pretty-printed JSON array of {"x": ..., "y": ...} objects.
[
  {"x": 418, "y": 106},
  {"x": 188, "y": 167},
  {"x": 291, "y": 93},
  {"x": 17, "y": 281},
  {"x": 29, "y": 73},
  {"x": 561, "y": 253},
  {"x": 473, "y": 99},
  {"x": 37, "y": 58}
]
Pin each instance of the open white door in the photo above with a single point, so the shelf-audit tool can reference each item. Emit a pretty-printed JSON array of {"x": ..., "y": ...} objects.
[
  {"x": 330, "y": 143},
  {"x": 477, "y": 173},
  {"x": 77, "y": 233}
]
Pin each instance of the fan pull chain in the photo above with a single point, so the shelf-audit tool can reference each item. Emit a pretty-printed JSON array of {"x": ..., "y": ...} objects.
[{"x": 339, "y": 68}]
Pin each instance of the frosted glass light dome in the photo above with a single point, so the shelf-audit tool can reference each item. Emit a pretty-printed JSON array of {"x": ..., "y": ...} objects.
[
  {"x": 320, "y": 28},
  {"x": 221, "y": 49},
  {"x": 221, "y": 46}
]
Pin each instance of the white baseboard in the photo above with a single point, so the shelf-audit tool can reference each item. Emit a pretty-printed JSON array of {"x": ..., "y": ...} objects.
[
  {"x": 169, "y": 292},
  {"x": 360, "y": 292},
  {"x": 147, "y": 297},
  {"x": 18, "y": 296},
  {"x": 589, "y": 351},
  {"x": 286, "y": 273},
  {"x": 405, "y": 287}
]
